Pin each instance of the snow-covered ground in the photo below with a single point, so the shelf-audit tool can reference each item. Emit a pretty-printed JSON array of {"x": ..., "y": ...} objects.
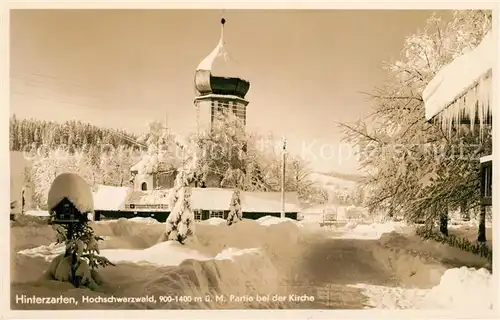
[
  {"x": 353, "y": 230},
  {"x": 162, "y": 254},
  {"x": 37, "y": 213},
  {"x": 264, "y": 256}
]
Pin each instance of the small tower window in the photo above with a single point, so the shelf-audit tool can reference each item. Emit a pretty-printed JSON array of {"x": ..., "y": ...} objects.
[{"x": 144, "y": 186}]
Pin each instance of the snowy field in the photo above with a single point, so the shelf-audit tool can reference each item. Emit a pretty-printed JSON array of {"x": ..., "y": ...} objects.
[{"x": 353, "y": 266}]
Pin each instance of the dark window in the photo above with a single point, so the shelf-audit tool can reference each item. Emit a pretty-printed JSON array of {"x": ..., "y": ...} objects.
[
  {"x": 198, "y": 215},
  {"x": 217, "y": 214},
  {"x": 144, "y": 186}
]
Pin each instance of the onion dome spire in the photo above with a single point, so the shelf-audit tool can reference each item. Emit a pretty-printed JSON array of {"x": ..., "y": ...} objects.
[{"x": 225, "y": 79}]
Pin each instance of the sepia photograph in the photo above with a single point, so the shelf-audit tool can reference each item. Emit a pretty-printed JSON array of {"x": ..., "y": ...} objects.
[{"x": 209, "y": 159}]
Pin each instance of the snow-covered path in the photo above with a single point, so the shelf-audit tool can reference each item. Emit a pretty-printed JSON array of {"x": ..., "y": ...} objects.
[{"x": 328, "y": 267}]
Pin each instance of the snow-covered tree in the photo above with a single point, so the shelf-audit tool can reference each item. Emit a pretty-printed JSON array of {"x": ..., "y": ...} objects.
[
  {"x": 230, "y": 157},
  {"x": 80, "y": 261},
  {"x": 264, "y": 170},
  {"x": 162, "y": 152},
  {"x": 49, "y": 164},
  {"x": 45, "y": 169},
  {"x": 223, "y": 151},
  {"x": 235, "y": 213},
  {"x": 415, "y": 168},
  {"x": 115, "y": 164},
  {"x": 180, "y": 222}
]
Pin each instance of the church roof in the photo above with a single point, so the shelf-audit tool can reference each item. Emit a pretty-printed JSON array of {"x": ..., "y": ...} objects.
[{"x": 217, "y": 73}]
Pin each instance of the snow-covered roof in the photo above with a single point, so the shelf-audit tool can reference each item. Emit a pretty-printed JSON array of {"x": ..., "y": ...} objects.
[
  {"x": 219, "y": 64},
  {"x": 211, "y": 198},
  {"x": 138, "y": 197},
  {"x": 207, "y": 63},
  {"x": 110, "y": 197},
  {"x": 269, "y": 202},
  {"x": 74, "y": 188},
  {"x": 463, "y": 87},
  {"x": 153, "y": 162}
]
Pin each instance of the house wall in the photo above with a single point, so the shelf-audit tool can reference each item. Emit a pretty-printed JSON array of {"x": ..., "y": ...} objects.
[
  {"x": 164, "y": 180},
  {"x": 257, "y": 215},
  {"x": 140, "y": 179},
  {"x": 160, "y": 216}
]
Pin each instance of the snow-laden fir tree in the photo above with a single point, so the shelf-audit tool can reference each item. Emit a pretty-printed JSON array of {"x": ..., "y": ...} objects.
[
  {"x": 79, "y": 262},
  {"x": 235, "y": 212},
  {"x": 180, "y": 222}
]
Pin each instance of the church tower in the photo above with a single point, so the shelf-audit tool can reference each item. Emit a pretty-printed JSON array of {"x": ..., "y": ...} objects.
[{"x": 218, "y": 88}]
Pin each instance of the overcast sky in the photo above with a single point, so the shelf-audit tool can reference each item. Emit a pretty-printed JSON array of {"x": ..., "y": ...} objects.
[{"x": 125, "y": 68}]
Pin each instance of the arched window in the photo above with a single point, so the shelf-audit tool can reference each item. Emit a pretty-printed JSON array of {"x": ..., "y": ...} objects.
[{"x": 144, "y": 186}]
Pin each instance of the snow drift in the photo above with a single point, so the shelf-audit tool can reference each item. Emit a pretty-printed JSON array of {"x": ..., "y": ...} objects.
[
  {"x": 462, "y": 289},
  {"x": 459, "y": 289},
  {"x": 265, "y": 256},
  {"x": 219, "y": 260},
  {"x": 167, "y": 253}
]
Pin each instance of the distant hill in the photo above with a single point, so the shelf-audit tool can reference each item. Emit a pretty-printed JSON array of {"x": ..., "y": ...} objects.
[{"x": 345, "y": 176}]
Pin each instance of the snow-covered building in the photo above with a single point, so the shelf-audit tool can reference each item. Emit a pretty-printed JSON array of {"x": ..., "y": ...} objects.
[
  {"x": 461, "y": 95},
  {"x": 122, "y": 202},
  {"x": 255, "y": 205}
]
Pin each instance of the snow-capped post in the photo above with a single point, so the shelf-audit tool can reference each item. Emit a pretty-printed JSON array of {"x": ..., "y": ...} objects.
[
  {"x": 69, "y": 203},
  {"x": 283, "y": 164},
  {"x": 235, "y": 212}
]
